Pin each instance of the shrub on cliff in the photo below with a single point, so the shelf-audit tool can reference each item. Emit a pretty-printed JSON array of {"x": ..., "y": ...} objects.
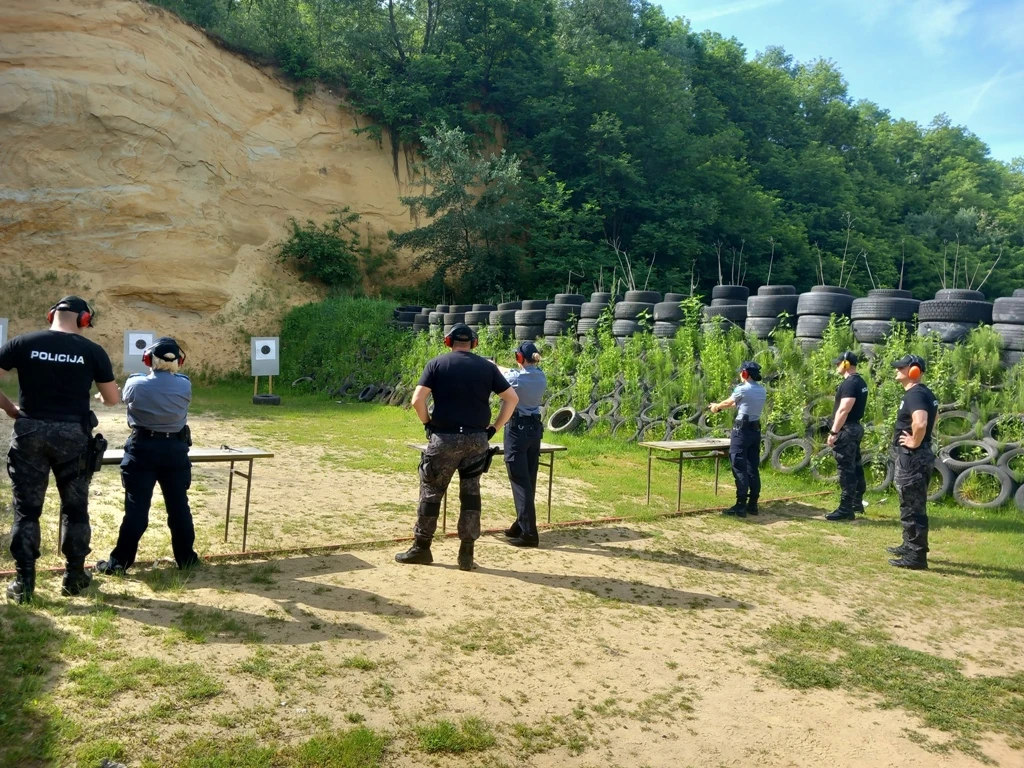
[{"x": 328, "y": 252}]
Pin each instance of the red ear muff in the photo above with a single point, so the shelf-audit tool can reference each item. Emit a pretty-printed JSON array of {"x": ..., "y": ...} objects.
[
  {"x": 50, "y": 314},
  {"x": 181, "y": 358},
  {"x": 914, "y": 372},
  {"x": 473, "y": 343},
  {"x": 519, "y": 358},
  {"x": 448, "y": 341},
  {"x": 147, "y": 359},
  {"x": 84, "y": 319}
]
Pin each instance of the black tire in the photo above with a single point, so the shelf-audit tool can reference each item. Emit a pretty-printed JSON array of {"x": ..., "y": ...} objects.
[
  {"x": 868, "y": 350},
  {"x": 564, "y": 420},
  {"x": 1012, "y": 358},
  {"x": 777, "y": 290},
  {"x": 367, "y": 393},
  {"x": 653, "y": 430},
  {"x": 889, "y": 469},
  {"x": 505, "y": 306},
  {"x": 534, "y": 304},
  {"x": 812, "y": 326},
  {"x": 808, "y": 344},
  {"x": 420, "y": 328},
  {"x": 642, "y": 297},
  {"x": 302, "y": 380},
  {"x": 776, "y": 437},
  {"x": 822, "y": 303},
  {"x": 1018, "y": 498},
  {"x": 818, "y": 473},
  {"x": 561, "y": 311},
  {"x": 782, "y": 447},
  {"x": 771, "y": 306},
  {"x": 736, "y": 313},
  {"x": 266, "y": 399},
  {"x": 600, "y": 297},
  {"x": 675, "y": 298},
  {"x": 624, "y": 328},
  {"x": 766, "y": 449},
  {"x": 945, "y": 486},
  {"x": 442, "y": 308},
  {"x": 831, "y": 289},
  {"x": 1005, "y": 488},
  {"x": 451, "y": 318},
  {"x": 871, "y": 331},
  {"x": 422, "y": 318},
  {"x": 726, "y": 325},
  {"x": 669, "y": 311},
  {"x": 956, "y": 466},
  {"x": 948, "y": 332},
  {"x": 403, "y": 316},
  {"x": 727, "y": 303},
  {"x": 991, "y": 432},
  {"x": 970, "y": 417},
  {"x": 478, "y": 318},
  {"x": 555, "y": 327},
  {"x": 435, "y": 318},
  {"x": 665, "y": 330},
  {"x": 502, "y": 317},
  {"x": 528, "y": 332},
  {"x": 592, "y": 310},
  {"x": 761, "y": 327},
  {"x": 958, "y": 294},
  {"x": 1018, "y": 293},
  {"x": 731, "y": 292},
  {"x": 484, "y": 307},
  {"x": 955, "y": 311},
  {"x": 585, "y": 324},
  {"x": 873, "y": 308},
  {"x": 1004, "y": 462},
  {"x": 890, "y": 293},
  {"x": 630, "y": 310},
  {"x": 1013, "y": 336},
  {"x": 572, "y": 299},
  {"x": 530, "y": 316},
  {"x": 1008, "y": 310},
  {"x": 463, "y": 308},
  {"x": 504, "y": 330}
]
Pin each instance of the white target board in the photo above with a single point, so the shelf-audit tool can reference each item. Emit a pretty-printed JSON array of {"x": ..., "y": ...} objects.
[
  {"x": 3, "y": 331},
  {"x": 266, "y": 358},
  {"x": 135, "y": 343}
]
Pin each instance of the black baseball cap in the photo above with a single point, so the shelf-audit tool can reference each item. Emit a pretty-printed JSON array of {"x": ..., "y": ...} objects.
[
  {"x": 848, "y": 357},
  {"x": 752, "y": 369},
  {"x": 907, "y": 360},
  {"x": 73, "y": 304},
  {"x": 165, "y": 348},
  {"x": 462, "y": 332},
  {"x": 528, "y": 349}
]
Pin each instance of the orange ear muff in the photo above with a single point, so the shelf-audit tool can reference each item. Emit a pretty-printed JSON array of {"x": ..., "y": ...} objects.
[{"x": 914, "y": 372}]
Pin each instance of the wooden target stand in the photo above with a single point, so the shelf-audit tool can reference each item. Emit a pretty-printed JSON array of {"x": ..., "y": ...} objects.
[{"x": 256, "y": 385}]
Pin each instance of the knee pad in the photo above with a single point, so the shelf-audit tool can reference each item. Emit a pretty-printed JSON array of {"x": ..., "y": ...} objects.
[
  {"x": 471, "y": 501},
  {"x": 429, "y": 509}
]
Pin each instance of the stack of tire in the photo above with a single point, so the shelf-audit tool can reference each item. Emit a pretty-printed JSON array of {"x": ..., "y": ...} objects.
[
  {"x": 630, "y": 310},
  {"x": 1008, "y": 322},
  {"x": 872, "y": 316},
  {"x": 421, "y": 323},
  {"x": 503, "y": 319},
  {"x": 814, "y": 310},
  {"x": 952, "y": 314},
  {"x": 479, "y": 315},
  {"x": 436, "y": 317},
  {"x": 559, "y": 315},
  {"x": 590, "y": 313},
  {"x": 728, "y": 302},
  {"x": 529, "y": 321},
  {"x": 964, "y": 457},
  {"x": 405, "y": 316},
  {"x": 456, "y": 314},
  {"x": 667, "y": 315},
  {"x": 763, "y": 310}
]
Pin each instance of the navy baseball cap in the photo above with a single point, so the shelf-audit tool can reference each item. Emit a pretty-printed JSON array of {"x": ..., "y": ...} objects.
[
  {"x": 462, "y": 332},
  {"x": 848, "y": 357},
  {"x": 752, "y": 369},
  {"x": 74, "y": 304},
  {"x": 528, "y": 349},
  {"x": 165, "y": 348},
  {"x": 908, "y": 360}
]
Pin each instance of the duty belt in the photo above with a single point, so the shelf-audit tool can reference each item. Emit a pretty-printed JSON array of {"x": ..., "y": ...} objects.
[{"x": 179, "y": 435}]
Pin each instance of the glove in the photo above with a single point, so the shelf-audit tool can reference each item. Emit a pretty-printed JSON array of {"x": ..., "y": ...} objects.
[{"x": 490, "y": 431}]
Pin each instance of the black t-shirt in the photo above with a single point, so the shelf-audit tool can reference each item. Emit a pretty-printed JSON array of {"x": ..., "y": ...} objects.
[
  {"x": 917, "y": 398},
  {"x": 462, "y": 383},
  {"x": 852, "y": 386},
  {"x": 55, "y": 372}
]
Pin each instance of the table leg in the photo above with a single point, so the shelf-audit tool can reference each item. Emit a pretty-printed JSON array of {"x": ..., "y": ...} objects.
[
  {"x": 551, "y": 479},
  {"x": 718, "y": 459},
  {"x": 245, "y": 520},
  {"x": 679, "y": 486},
  {"x": 649, "y": 451},
  {"x": 227, "y": 514}
]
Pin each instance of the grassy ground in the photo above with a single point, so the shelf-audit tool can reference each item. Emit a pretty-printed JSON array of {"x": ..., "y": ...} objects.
[{"x": 638, "y": 643}]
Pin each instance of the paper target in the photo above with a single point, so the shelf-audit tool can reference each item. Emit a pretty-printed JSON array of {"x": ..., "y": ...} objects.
[
  {"x": 3, "y": 331},
  {"x": 135, "y": 343},
  {"x": 265, "y": 357}
]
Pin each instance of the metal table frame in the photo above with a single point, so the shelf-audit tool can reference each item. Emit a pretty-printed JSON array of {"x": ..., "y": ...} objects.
[
  {"x": 548, "y": 449},
  {"x": 715, "y": 448}
]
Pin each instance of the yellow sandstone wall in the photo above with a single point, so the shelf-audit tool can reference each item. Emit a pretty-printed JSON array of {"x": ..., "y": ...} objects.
[{"x": 153, "y": 172}]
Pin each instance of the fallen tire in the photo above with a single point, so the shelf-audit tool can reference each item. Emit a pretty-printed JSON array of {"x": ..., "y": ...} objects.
[
  {"x": 642, "y": 297},
  {"x": 821, "y": 303},
  {"x": 1012, "y": 335},
  {"x": 624, "y": 328},
  {"x": 630, "y": 310},
  {"x": 955, "y": 311},
  {"x": 971, "y": 490},
  {"x": 777, "y": 436},
  {"x": 952, "y": 455},
  {"x": 784, "y": 451},
  {"x": 819, "y": 409},
  {"x": 561, "y": 312},
  {"x": 367, "y": 393},
  {"x": 733, "y": 292},
  {"x": 959, "y": 294},
  {"x": 776, "y": 290},
  {"x": 766, "y": 448},
  {"x": 940, "y": 484},
  {"x": 948, "y": 332},
  {"x": 266, "y": 399},
  {"x": 1012, "y": 463},
  {"x": 528, "y": 332},
  {"x": 302, "y": 380},
  {"x": 874, "y": 308},
  {"x": 1000, "y": 428},
  {"x": 823, "y": 467},
  {"x": 771, "y": 306},
  {"x": 668, "y": 311},
  {"x": 812, "y": 326},
  {"x": 878, "y": 471},
  {"x": 955, "y": 425},
  {"x": 564, "y": 420}
]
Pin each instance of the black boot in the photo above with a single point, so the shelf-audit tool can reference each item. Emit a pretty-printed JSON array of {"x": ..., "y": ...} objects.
[
  {"x": 840, "y": 514},
  {"x": 910, "y": 562},
  {"x": 525, "y": 541},
  {"x": 417, "y": 554},
  {"x": 24, "y": 585},
  {"x": 109, "y": 567},
  {"x": 900, "y": 550},
  {"x": 75, "y": 579},
  {"x": 752, "y": 507},
  {"x": 513, "y": 531},
  {"x": 739, "y": 509},
  {"x": 466, "y": 556}
]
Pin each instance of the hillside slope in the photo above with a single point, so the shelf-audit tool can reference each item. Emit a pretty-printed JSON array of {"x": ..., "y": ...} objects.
[{"x": 153, "y": 172}]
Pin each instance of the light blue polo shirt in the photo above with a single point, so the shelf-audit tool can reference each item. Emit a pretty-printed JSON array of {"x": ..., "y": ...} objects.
[
  {"x": 158, "y": 401},
  {"x": 750, "y": 399},
  {"x": 530, "y": 384}
]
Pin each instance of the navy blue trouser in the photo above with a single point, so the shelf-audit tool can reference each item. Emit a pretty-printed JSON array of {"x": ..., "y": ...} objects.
[
  {"x": 148, "y": 461},
  {"x": 522, "y": 460},
  {"x": 745, "y": 458}
]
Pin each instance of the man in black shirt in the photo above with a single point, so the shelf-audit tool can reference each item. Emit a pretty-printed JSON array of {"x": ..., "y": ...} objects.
[
  {"x": 845, "y": 436},
  {"x": 458, "y": 433},
  {"x": 912, "y": 439},
  {"x": 52, "y": 429}
]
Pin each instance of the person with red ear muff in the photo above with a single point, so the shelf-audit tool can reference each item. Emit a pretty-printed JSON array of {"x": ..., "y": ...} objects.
[
  {"x": 156, "y": 452},
  {"x": 523, "y": 435},
  {"x": 458, "y": 432},
  {"x": 845, "y": 436},
  {"x": 912, "y": 440},
  {"x": 745, "y": 441},
  {"x": 53, "y": 427}
]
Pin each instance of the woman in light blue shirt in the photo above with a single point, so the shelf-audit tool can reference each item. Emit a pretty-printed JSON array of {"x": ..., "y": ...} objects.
[{"x": 745, "y": 444}]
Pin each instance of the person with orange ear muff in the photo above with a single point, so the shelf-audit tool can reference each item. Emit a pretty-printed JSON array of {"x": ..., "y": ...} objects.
[
  {"x": 156, "y": 452},
  {"x": 912, "y": 440},
  {"x": 53, "y": 432},
  {"x": 523, "y": 435},
  {"x": 845, "y": 436}
]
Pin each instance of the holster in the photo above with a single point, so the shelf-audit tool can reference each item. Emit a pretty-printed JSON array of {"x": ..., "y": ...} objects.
[
  {"x": 94, "y": 453},
  {"x": 481, "y": 466}
]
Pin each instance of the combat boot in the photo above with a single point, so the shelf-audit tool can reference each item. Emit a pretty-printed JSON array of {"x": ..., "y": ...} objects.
[
  {"x": 24, "y": 585},
  {"x": 840, "y": 514},
  {"x": 417, "y": 554},
  {"x": 466, "y": 556},
  {"x": 739, "y": 509},
  {"x": 910, "y": 562},
  {"x": 900, "y": 550},
  {"x": 75, "y": 581},
  {"x": 525, "y": 541},
  {"x": 513, "y": 531},
  {"x": 752, "y": 508}
]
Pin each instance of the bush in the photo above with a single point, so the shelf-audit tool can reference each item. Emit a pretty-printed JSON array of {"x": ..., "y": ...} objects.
[{"x": 328, "y": 253}]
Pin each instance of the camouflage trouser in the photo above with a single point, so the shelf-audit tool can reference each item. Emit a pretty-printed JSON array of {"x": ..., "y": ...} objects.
[
  {"x": 851, "y": 468},
  {"x": 36, "y": 448},
  {"x": 913, "y": 473},
  {"x": 467, "y": 453}
]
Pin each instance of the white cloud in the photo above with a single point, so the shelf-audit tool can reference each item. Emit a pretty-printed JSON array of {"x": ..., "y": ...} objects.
[
  {"x": 935, "y": 22},
  {"x": 716, "y": 10}
]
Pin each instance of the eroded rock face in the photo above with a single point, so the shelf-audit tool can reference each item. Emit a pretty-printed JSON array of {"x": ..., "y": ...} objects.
[{"x": 142, "y": 161}]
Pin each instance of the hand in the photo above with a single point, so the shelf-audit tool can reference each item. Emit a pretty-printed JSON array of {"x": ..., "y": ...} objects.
[
  {"x": 713, "y": 407},
  {"x": 491, "y": 430},
  {"x": 831, "y": 440},
  {"x": 14, "y": 411},
  {"x": 907, "y": 440}
]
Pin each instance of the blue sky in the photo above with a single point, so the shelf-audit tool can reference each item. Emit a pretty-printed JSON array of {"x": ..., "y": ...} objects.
[{"x": 916, "y": 58}]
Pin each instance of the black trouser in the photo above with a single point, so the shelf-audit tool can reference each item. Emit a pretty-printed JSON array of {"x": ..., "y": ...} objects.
[
  {"x": 447, "y": 453},
  {"x": 37, "y": 447},
  {"x": 522, "y": 458},
  {"x": 851, "y": 468},
  {"x": 913, "y": 473},
  {"x": 148, "y": 461},
  {"x": 745, "y": 458}
]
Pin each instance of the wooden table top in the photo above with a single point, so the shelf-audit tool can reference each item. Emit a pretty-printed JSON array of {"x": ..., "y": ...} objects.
[
  {"x": 199, "y": 455},
  {"x": 544, "y": 448},
  {"x": 688, "y": 446}
]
